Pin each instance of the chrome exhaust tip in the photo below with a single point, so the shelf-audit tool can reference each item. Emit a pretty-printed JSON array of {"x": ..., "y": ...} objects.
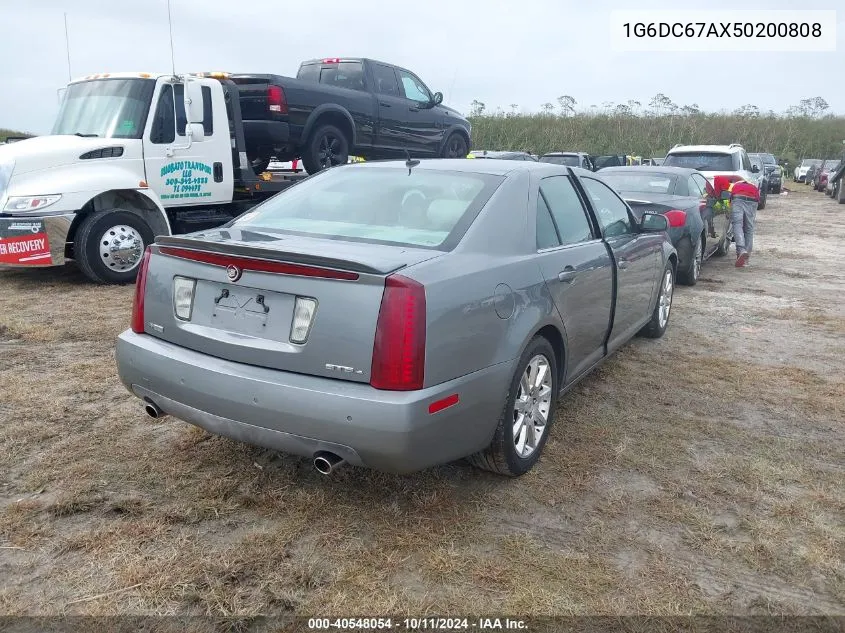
[
  {"x": 325, "y": 463},
  {"x": 153, "y": 411}
]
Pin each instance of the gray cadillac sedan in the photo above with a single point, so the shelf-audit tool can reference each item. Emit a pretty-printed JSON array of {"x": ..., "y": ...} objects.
[{"x": 398, "y": 315}]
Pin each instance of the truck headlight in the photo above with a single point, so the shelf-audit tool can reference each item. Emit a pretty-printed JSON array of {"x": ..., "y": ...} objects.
[{"x": 20, "y": 204}]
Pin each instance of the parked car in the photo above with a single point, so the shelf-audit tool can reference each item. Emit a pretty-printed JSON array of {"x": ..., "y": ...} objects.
[
  {"x": 717, "y": 160},
  {"x": 681, "y": 194},
  {"x": 760, "y": 179},
  {"x": 657, "y": 161},
  {"x": 502, "y": 155},
  {"x": 800, "y": 173},
  {"x": 820, "y": 177},
  {"x": 341, "y": 106},
  {"x": 773, "y": 171},
  {"x": 572, "y": 159},
  {"x": 398, "y": 314}
]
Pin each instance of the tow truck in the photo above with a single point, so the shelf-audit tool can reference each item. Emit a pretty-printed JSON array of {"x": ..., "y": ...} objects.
[{"x": 131, "y": 156}]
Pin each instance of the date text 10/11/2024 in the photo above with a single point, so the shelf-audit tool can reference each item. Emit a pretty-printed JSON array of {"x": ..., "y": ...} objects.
[{"x": 417, "y": 624}]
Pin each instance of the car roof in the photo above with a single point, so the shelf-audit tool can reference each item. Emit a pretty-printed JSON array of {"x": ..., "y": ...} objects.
[
  {"x": 647, "y": 169},
  {"x": 566, "y": 154},
  {"x": 492, "y": 167},
  {"x": 723, "y": 149}
]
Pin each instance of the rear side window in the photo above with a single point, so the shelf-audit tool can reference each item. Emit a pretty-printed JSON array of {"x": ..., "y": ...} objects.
[
  {"x": 385, "y": 79},
  {"x": 546, "y": 231},
  {"x": 701, "y": 161},
  {"x": 567, "y": 211},
  {"x": 379, "y": 205}
]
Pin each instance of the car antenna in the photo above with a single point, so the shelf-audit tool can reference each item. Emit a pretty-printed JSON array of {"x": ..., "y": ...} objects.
[{"x": 411, "y": 162}]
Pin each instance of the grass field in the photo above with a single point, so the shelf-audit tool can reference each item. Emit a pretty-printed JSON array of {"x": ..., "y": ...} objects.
[{"x": 701, "y": 473}]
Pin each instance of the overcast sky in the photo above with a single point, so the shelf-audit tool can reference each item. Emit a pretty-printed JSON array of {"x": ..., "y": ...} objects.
[{"x": 526, "y": 52}]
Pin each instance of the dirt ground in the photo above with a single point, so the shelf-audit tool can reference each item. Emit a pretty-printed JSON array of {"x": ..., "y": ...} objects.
[{"x": 702, "y": 473}]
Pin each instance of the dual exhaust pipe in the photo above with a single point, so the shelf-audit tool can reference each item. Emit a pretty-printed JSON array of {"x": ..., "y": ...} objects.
[{"x": 325, "y": 462}]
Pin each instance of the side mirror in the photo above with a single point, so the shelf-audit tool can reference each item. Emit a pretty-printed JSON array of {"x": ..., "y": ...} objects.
[
  {"x": 193, "y": 101},
  {"x": 438, "y": 98},
  {"x": 196, "y": 132},
  {"x": 654, "y": 222},
  {"x": 754, "y": 169}
]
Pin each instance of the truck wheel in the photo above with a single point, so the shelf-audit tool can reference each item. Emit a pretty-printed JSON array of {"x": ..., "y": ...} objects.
[
  {"x": 455, "y": 147},
  {"x": 326, "y": 147},
  {"x": 840, "y": 191},
  {"x": 108, "y": 246},
  {"x": 528, "y": 414}
]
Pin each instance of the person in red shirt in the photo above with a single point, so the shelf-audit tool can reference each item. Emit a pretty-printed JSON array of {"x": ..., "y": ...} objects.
[{"x": 744, "y": 198}]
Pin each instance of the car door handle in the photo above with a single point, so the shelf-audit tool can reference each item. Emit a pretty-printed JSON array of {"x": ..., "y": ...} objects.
[
  {"x": 567, "y": 275},
  {"x": 413, "y": 109},
  {"x": 623, "y": 264},
  {"x": 383, "y": 104}
]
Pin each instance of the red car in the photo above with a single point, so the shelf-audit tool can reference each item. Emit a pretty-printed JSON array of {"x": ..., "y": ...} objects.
[{"x": 820, "y": 179}]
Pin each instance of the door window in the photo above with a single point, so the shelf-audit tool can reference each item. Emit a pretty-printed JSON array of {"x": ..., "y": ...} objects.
[
  {"x": 385, "y": 80},
  {"x": 611, "y": 212},
  {"x": 413, "y": 87},
  {"x": 567, "y": 211},
  {"x": 164, "y": 123},
  {"x": 701, "y": 182}
]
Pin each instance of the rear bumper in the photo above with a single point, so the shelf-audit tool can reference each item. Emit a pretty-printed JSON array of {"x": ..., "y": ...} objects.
[
  {"x": 266, "y": 134},
  {"x": 301, "y": 415},
  {"x": 27, "y": 241}
]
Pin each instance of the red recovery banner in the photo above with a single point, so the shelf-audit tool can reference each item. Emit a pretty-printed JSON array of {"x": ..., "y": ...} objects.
[{"x": 26, "y": 249}]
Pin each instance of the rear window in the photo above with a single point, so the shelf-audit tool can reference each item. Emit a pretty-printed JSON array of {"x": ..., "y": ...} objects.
[
  {"x": 640, "y": 183},
  {"x": 701, "y": 161},
  {"x": 343, "y": 75},
  {"x": 426, "y": 208},
  {"x": 572, "y": 161}
]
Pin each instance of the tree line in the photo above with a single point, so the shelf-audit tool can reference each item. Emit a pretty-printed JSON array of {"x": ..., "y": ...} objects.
[{"x": 805, "y": 130}]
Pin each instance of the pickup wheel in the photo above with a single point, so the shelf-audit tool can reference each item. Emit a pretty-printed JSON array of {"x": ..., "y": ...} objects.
[
  {"x": 326, "y": 147},
  {"x": 656, "y": 327},
  {"x": 455, "y": 147},
  {"x": 527, "y": 416},
  {"x": 108, "y": 246}
]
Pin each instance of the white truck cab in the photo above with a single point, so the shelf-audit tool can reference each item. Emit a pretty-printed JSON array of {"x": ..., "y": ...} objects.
[{"x": 131, "y": 156}]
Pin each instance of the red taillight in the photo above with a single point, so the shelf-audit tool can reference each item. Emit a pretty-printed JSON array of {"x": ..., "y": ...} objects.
[
  {"x": 399, "y": 348},
  {"x": 140, "y": 289},
  {"x": 276, "y": 101},
  {"x": 331, "y": 60},
  {"x": 258, "y": 265},
  {"x": 676, "y": 218}
]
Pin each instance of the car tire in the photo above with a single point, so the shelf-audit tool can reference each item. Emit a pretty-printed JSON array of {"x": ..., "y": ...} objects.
[
  {"x": 689, "y": 276},
  {"x": 762, "y": 203},
  {"x": 327, "y": 146},
  {"x": 840, "y": 191},
  {"x": 455, "y": 146},
  {"x": 503, "y": 455},
  {"x": 109, "y": 245},
  {"x": 776, "y": 189},
  {"x": 656, "y": 327}
]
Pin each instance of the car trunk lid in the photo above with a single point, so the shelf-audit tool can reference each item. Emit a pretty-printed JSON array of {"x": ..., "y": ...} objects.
[{"x": 245, "y": 300}]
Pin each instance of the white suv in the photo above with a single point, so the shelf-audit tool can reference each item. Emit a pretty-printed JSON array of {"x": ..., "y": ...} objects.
[{"x": 717, "y": 160}]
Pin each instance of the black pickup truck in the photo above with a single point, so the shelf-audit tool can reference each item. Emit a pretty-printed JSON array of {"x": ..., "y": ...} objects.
[{"x": 339, "y": 107}]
